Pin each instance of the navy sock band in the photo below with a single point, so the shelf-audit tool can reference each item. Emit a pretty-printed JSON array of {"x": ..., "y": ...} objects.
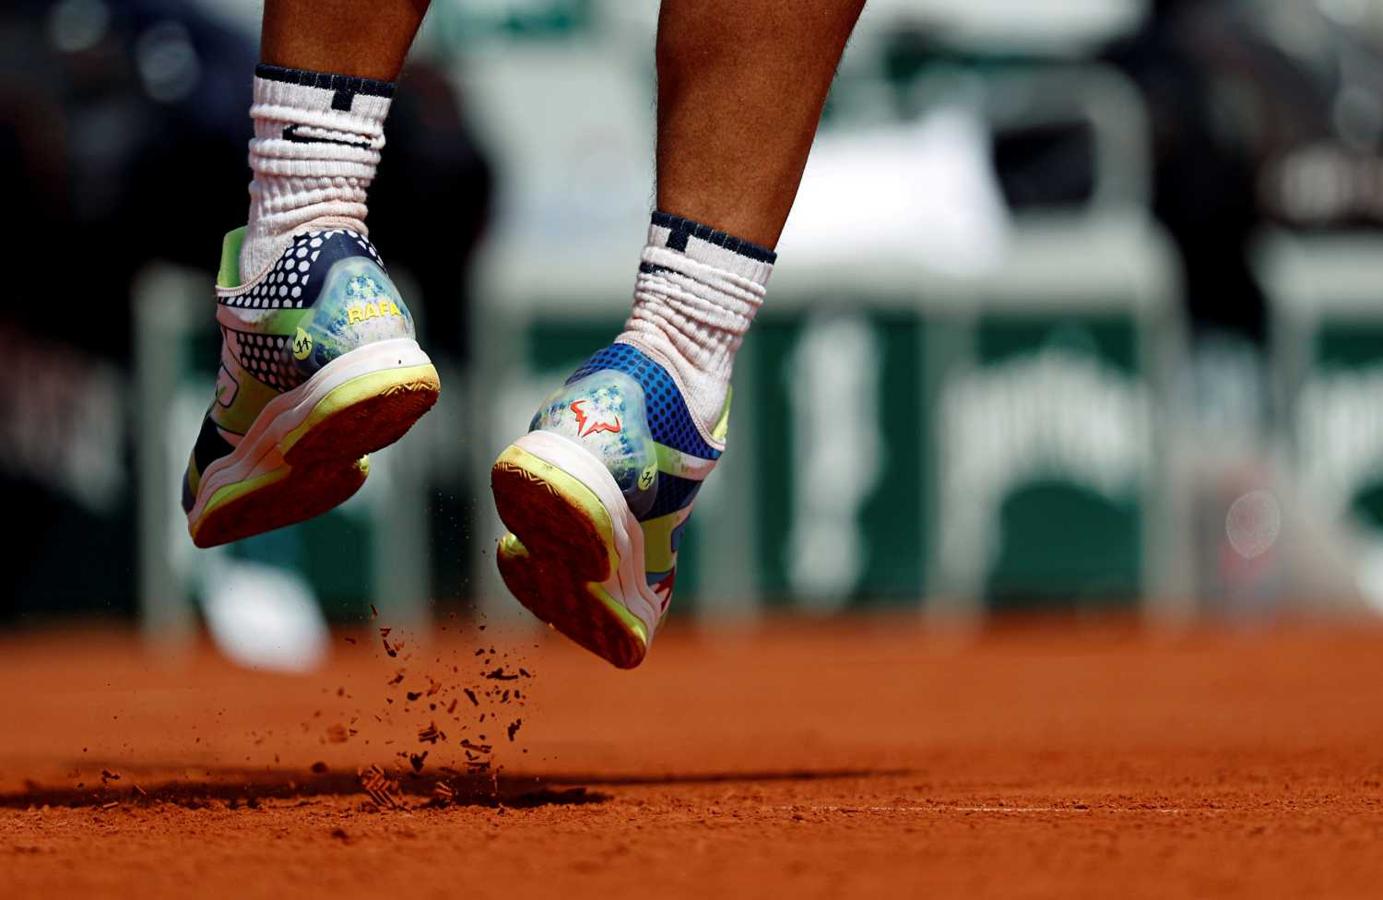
[
  {"x": 684, "y": 228},
  {"x": 344, "y": 87}
]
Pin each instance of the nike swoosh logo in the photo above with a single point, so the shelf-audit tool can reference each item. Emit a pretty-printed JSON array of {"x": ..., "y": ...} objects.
[{"x": 291, "y": 135}]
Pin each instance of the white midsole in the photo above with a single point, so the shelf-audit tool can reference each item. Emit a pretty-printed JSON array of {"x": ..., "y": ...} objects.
[
  {"x": 258, "y": 450},
  {"x": 628, "y": 585}
]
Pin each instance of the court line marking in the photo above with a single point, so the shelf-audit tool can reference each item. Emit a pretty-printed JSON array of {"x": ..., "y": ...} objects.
[{"x": 979, "y": 809}]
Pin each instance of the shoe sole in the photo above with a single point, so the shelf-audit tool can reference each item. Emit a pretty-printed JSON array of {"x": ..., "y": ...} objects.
[
  {"x": 310, "y": 454},
  {"x": 562, "y": 558}
]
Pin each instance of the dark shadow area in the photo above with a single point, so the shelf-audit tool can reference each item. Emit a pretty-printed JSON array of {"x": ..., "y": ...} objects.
[
  {"x": 247, "y": 788},
  {"x": 238, "y": 788}
]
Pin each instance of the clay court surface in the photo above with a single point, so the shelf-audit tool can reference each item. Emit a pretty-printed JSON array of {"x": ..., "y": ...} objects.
[{"x": 1053, "y": 760}]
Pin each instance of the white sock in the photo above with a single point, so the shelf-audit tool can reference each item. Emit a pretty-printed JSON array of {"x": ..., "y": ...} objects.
[
  {"x": 317, "y": 142},
  {"x": 697, "y": 292}
]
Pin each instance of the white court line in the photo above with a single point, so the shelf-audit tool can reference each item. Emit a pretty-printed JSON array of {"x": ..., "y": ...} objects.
[{"x": 978, "y": 809}]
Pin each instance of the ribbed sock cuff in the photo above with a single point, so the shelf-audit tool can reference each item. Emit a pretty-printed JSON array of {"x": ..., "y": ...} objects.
[
  {"x": 318, "y": 138},
  {"x": 711, "y": 246},
  {"x": 697, "y": 292}
]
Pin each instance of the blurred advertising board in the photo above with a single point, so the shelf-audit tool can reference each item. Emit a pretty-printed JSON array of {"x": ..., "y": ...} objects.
[{"x": 981, "y": 440}]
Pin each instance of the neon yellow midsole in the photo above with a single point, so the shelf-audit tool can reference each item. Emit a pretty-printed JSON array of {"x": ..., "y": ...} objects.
[
  {"x": 354, "y": 391},
  {"x": 229, "y": 492},
  {"x": 629, "y": 620},
  {"x": 570, "y": 489}
]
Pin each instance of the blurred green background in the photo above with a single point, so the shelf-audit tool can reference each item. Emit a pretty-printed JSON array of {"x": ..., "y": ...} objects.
[{"x": 1079, "y": 309}]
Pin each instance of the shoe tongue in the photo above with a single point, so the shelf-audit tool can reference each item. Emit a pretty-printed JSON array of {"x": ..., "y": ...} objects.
[{"x": 228, "y": 276}]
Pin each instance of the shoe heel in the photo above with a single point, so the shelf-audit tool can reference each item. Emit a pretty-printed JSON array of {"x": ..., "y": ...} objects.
[
  {"x": 363, "y": 415},
  {"x": 276, "y": 499},
  {"x": 560, "y": 555}
]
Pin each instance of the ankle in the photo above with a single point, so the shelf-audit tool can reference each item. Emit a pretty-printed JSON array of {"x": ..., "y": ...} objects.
[
  {"x": 697, "y": 292},
  {"x": 317, "y": 142}
]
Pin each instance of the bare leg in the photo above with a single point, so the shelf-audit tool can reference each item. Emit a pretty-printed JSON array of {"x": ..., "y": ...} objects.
[
  {"x": 741, "y": 84},
  {"x": 365, "y": 38}
]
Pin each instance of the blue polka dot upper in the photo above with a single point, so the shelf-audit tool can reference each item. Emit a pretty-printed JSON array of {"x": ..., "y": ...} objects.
[{"x": 668, "y": 418}]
